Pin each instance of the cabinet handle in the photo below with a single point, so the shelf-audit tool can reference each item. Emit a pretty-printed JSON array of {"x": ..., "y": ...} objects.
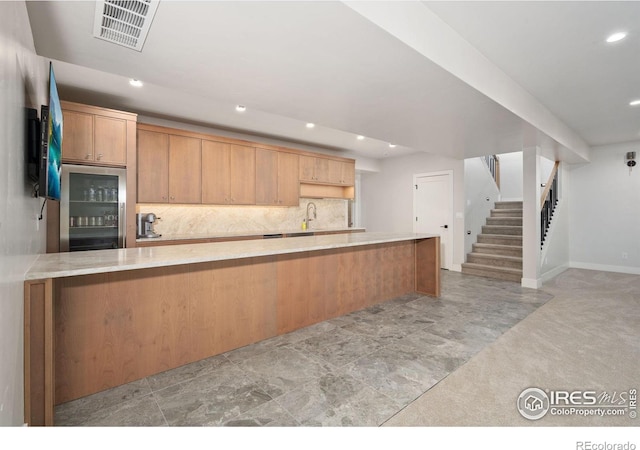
[
  {"x": 172, "y": 198},
  {"x": 88, "y": 156},
  {"x": 99, "y": 156}
]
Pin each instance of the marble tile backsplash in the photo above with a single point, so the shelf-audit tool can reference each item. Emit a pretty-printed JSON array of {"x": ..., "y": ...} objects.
[{"x": 202, "y": 219}]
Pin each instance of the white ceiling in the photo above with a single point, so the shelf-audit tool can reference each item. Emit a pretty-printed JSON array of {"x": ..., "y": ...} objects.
[{"x": 296, "y": 62}]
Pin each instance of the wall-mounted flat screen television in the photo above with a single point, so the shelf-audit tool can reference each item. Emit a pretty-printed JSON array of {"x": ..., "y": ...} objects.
[{"x": 51, "y": 137}]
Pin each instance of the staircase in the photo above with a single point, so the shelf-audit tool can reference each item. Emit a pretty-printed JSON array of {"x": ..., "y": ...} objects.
[{"x": 498, "y": 251}]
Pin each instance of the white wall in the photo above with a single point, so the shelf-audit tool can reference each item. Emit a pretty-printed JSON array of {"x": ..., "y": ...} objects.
[
  {"x": 510, "y": 176},
  {"x": 481, "y": 194},
  {"x": 387, "y": 196},
  {"x": 546, "y": 166},
  {"x": 24, "y": 83},
  {"x": 605, "y": 211}
]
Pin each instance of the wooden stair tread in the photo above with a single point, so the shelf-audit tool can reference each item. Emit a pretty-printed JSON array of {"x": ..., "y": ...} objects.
[
  {"x": 503, "y": 257},
  {"x": 492, "y": 268}
]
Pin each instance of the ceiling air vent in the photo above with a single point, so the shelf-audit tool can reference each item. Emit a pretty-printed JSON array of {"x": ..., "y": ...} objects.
[{"x": 124, "y": 22}]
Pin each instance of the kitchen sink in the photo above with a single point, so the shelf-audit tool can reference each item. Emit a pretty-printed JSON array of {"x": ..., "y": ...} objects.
[{"x": 302, "y": 233}]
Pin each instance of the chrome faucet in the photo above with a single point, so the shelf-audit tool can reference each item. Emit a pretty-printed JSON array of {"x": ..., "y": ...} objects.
[{"x": 309, "y": 205}]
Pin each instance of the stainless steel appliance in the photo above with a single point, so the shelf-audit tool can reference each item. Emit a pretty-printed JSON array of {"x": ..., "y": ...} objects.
[
  {"x": 145, "y": 225},
  {"x": 92, "y": 208}
]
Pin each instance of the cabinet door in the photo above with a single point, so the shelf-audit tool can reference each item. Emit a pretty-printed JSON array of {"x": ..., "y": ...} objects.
[
  {"x": 184, "y": 170},
  {"x": 110, "y": 140},
  {"x": 215, "y": 173},
  {"x": 334, "y": 171},
  {"x": 267, "y": 177},
  {"x": 307, "y": 168},
  {"x": 77, "y": 145},
  {"x": 153, "y": 167},
  {"x": 288, "y": 182},
  {"x": 242, "y": 178},
  {"x": 323, "y": 170},
  {"x": 348, "y": 173}
]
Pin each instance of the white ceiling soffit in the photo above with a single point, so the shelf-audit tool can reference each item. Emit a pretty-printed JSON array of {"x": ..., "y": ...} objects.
[{"x": 124, "y": 22}]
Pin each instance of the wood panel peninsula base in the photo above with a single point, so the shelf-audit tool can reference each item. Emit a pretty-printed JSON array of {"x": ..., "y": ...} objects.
[{"x": 95, "y": 320}]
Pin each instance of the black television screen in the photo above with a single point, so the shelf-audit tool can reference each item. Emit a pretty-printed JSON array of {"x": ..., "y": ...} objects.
[{"x": 51, "y": 131}]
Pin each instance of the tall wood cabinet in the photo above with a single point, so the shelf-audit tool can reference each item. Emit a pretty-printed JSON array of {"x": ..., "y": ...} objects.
[
  {"x": 228, "y": 174},
  {"x": 277, "y": 178},
  {"x": 96, "y": 136},
  {"x": 153, "y": 167},
  {"x": 168, "y": 168},
  {"x": 185, "y": 159}
]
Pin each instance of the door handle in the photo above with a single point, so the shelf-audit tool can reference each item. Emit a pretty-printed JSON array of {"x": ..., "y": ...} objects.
[{"x": 444, "y": 226}]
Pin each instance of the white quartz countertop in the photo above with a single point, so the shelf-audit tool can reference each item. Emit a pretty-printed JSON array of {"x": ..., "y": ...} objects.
[
  {"x": 58, "y": 265},
  {"x": 234, "y": 234}
]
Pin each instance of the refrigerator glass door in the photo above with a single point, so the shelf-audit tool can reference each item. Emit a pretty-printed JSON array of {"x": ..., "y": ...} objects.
[{"x": 92, "y": 208}]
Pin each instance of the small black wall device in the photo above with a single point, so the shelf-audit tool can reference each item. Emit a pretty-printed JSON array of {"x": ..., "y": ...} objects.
[{"x": 32, "y": 144}]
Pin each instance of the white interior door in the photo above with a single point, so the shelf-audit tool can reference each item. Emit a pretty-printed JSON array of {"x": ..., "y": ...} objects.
[{"x": 433, "y": 211}]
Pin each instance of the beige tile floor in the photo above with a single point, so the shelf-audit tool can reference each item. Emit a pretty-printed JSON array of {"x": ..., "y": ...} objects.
[{"x": 586, "y": 338}]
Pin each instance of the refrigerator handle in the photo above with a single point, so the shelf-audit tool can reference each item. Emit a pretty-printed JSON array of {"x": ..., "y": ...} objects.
[{"x": 122, "y": 225}]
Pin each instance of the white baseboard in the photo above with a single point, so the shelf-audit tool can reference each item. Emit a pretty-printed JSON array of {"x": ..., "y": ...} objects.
[
  {"x": 456, "y": 268},
  {"x": 554, "y": 272},
  {"x": 533, "y": 283},
  {"x": 605, "y": 268}
]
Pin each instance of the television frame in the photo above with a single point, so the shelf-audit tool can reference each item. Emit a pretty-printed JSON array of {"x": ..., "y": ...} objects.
[{"x": 51, "y": 143}]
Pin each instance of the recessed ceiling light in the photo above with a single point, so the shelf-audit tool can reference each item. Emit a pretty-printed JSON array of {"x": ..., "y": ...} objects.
[
  {"x": 241, "y": 108},
  {"x": 634, "y": 102},
  {"x": 311, "y": 125},
  {"x": 360, "y": 137},
  {"x": 392, "y": 145},
  {"x": 135, "y": 83},
  {"x": 615, "y": 37}
]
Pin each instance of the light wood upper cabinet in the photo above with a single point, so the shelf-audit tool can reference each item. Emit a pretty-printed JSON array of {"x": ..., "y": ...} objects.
[
  {"x": 277, "y": 178},
  {"x": 153, "y": 167},
  {"x": 110, "y": 140},
  {"x": 185, "y": 184},
  {"x": 325, "y": 170},
  {"x": 228, "y": 174},
  {"x": 77, "y": 142},
  {"x": 242, "y": 164},
  {"x": 179, "y": 166},
  {"x": 288, "y": 179},
  {"x": 348, "y": 173},
  {"x": 168, "y": 168},
  {"x": 94, "y": 136}
]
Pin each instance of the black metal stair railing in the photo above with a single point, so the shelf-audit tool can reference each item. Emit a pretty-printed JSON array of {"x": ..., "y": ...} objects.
[
  {"x": 494, "y": 167},
  {"x": 548, "y": 206}
]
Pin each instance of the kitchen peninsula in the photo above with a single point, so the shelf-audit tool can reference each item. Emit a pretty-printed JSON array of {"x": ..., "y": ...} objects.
[{"x": 99, "y": 319}]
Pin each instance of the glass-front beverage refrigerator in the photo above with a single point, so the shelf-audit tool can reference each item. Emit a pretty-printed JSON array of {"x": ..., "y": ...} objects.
[{"x": 92, "y": 208}]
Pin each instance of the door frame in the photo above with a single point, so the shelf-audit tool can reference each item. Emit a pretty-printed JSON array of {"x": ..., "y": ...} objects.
[{"x": 449, "y": 173}]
